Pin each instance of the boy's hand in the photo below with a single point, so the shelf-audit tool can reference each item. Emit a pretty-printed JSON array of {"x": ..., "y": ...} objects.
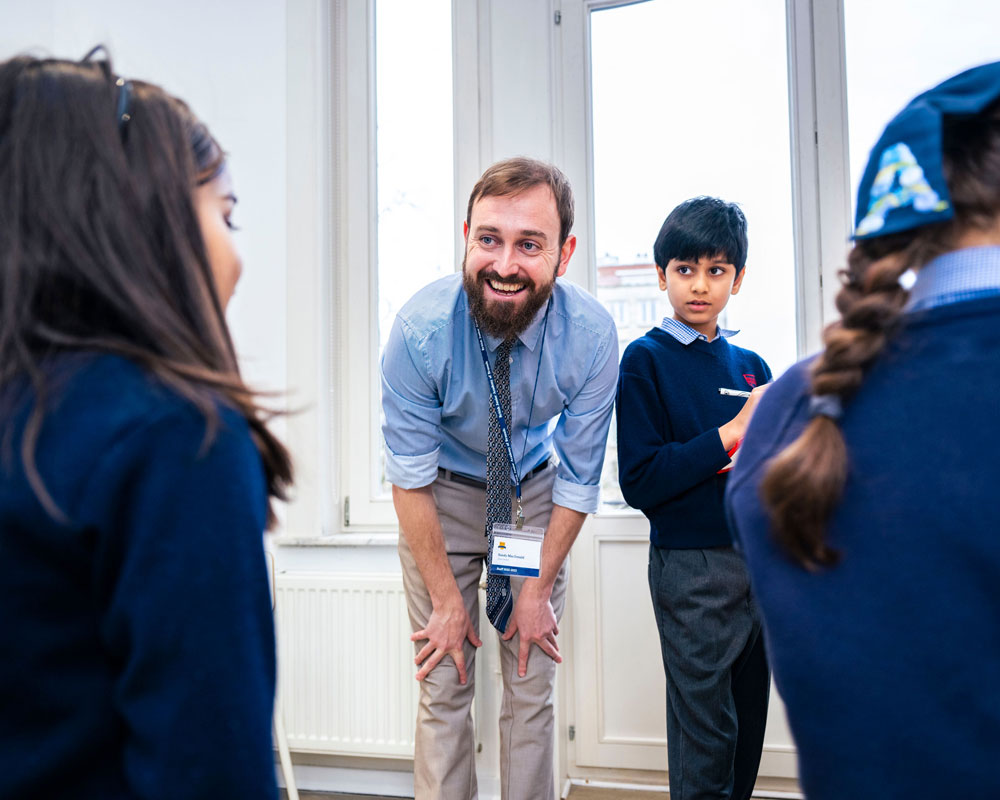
[{"x": 733, "y": 431}]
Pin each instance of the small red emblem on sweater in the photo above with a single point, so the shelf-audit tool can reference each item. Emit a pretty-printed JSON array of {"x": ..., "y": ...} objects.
[{"x": 750, "y": 379}]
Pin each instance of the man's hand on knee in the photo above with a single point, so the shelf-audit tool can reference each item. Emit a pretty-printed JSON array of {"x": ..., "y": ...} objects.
[
  {"x": 447, "y": 629},
  {"x": 535, "y": 620}
]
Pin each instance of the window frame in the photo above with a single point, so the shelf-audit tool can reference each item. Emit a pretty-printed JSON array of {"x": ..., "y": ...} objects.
[
  {"x": 818, "y": 150},
  {"x": 820, "y": 165},
  {"x": 332, "y": 361},
  {"x": 356, "y": 509}
]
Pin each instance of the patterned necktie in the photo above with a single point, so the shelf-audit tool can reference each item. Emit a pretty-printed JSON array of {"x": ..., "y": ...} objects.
[{"x": 499, "y": 602}]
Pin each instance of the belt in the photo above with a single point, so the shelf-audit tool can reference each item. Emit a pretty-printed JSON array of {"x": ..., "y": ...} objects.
[{"x": 467, "y": 480}]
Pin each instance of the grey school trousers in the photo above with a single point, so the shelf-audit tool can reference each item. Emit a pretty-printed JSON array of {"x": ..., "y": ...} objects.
[
  {"x": 444, "y": 765},
  {"x": 717, "y": 675}
]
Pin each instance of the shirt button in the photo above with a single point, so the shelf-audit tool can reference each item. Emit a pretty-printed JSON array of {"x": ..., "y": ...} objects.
[{"x": 510, "y": 359}]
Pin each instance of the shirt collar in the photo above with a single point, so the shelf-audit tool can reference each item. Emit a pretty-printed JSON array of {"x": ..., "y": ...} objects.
[
  {"x": 685, "y": 334},
  {"x": 529, "y": 337},
  {"x": 959, "y": 275}
]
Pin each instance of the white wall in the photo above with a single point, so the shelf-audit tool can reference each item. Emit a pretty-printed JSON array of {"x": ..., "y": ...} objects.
[{"x": 226, "y": 58}]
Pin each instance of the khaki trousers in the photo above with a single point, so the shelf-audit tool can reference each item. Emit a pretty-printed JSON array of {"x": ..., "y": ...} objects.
[{"x": 444, "y": 767}]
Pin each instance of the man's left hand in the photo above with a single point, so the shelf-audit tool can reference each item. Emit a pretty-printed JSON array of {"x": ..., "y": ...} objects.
[{"x": 535, "y": 620}]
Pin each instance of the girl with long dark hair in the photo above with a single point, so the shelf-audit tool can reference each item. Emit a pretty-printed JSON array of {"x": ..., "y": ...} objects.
[
  {"x": 136, "y": 470},
  {"x": 865, "y": 495}
]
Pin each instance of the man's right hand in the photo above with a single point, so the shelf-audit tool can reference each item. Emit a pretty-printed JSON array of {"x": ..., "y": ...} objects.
[{"x": 447, "y": 629}]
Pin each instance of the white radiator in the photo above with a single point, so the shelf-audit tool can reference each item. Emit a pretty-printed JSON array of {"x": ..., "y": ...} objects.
[{"x": 345, "y": 664}]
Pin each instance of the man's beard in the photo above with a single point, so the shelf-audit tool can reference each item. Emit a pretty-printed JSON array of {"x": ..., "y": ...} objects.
[{"x": 498, "y": 319}]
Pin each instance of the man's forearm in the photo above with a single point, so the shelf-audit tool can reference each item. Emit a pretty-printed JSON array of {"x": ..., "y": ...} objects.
[
  {"x": 420, "y": 524},
  {"x": 564, "y": 525}
]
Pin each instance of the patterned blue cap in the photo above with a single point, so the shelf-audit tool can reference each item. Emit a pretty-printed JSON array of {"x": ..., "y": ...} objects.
[{"x": 903, "y": 186}]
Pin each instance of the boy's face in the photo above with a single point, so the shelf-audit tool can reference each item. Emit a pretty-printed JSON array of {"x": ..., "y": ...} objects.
[{"x": 699, "y": 289}]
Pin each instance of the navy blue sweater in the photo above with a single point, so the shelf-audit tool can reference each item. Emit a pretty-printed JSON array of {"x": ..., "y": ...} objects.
[
  {"x": 889, "y": 663},
  {"x": 669, "y": 451},
  {"x": 138, "y": 645}
]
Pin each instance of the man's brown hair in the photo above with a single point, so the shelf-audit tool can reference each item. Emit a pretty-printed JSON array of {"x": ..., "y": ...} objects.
[{"x": 515, "y": 175}]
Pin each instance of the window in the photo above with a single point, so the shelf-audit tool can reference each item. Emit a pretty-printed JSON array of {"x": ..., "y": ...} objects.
[
  {"x": 941, "y": 39},
  {"x": 414, "y": 160},
  {"x": 647, "y": 311},
  {"x": 396, "y": 214},
  {"x": 619, "y": 310},
  {"x": 675, "y": 114},
  {"x": 764, "y": 123}
]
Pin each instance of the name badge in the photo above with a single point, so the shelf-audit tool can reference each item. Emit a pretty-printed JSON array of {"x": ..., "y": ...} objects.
[{"x": 516, "y": 551}]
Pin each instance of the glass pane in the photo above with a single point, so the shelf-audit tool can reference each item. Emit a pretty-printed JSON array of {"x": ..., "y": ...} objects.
[
  {"x": 414, "y": 157},
  {"x": 929, "y": 41},
  {"x": 692, "y": 99}
]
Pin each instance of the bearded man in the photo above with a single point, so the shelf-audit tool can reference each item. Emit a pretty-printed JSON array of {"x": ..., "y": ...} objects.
[{"x": 497, "y": 388}]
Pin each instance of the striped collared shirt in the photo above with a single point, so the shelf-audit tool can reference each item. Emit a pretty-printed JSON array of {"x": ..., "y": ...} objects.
[
  {"x": 685, "y": 334},
  {"x": 966, "y": 274}
]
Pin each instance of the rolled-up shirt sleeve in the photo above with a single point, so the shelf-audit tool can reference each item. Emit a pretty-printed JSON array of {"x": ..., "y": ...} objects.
[
  {"x": 581, "y": 434},
  {"x": 411, "y": 407}
]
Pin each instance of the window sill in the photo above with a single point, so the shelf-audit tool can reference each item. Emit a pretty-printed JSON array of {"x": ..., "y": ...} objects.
[{"x": 358, "y": 539}]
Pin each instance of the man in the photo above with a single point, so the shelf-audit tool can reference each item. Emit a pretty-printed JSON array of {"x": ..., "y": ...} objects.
[{"x": 460, "y": 444}]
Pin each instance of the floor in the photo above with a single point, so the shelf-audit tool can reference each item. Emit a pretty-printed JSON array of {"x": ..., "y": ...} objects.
[
  {"x": 593, "y": 793},
  {"x": 576, "y": 793}
]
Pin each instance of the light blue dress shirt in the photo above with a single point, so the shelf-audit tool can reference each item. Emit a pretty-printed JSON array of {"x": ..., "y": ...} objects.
[
  {"x": 966, "y": 274},
  {"x": 436, "y": 398}
]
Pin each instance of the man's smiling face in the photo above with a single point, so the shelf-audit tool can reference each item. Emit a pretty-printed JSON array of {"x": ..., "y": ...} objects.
[{"x": 512, "y": 258}]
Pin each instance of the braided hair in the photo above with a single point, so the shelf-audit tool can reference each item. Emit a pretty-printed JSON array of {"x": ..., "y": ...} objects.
[{"x": 805, "y": 481}]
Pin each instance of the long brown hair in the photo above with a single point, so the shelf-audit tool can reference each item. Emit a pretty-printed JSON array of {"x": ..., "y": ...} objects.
[
  {"x": 805, "y": 481},
  {"x": 100, "y": 246}
]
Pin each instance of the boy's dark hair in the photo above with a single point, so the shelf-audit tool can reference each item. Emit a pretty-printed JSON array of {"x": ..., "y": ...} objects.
[{"x": 703, "y": 227}]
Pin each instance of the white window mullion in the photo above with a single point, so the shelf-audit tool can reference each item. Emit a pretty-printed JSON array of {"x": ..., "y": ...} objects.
[
  {"x": 357, "y": 378},
  {"x": 820, "y": 172},
  {"x": 473, "y": 102}
]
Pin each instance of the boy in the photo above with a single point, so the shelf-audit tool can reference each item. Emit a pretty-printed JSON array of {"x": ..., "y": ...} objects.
[{"x": 681, "y": 415}]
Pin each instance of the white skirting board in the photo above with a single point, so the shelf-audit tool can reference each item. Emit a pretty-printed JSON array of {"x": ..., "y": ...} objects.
[
  {"x": 353, "y": 781},
  {"x": 643, "y": 787}
]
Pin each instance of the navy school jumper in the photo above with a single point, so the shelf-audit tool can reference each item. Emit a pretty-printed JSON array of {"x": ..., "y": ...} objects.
[
  {"x": 669, "y": 410},
  {"x": 889, "y": 662},
  {"x": 138, "y": 646}
]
